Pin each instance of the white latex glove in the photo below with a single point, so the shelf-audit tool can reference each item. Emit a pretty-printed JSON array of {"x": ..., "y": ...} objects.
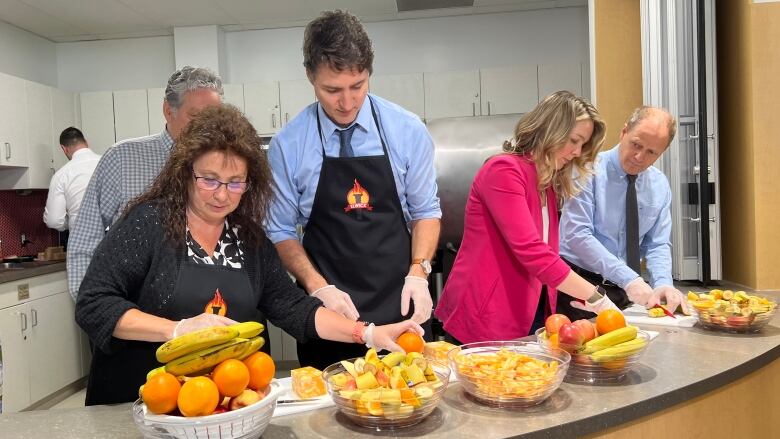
[
  {"x": 600, "y": 305},
  {"x": 416, "y": 288},
  {"x": 671, "y": 296},
  {"x": 337, "y": 301},
  {"x": 638, "y": 291},
  {"x": 200, "y": 321},
  {"x": 384, "y": 336}
]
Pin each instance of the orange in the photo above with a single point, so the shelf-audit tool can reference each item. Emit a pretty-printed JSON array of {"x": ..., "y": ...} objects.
[
  {"x": 199, "y": 396},
  {"x": 261, "y": 370},
  {"x": 411, "y": 342},
  {"x": 609, "y": 320},
  {"x": 554, "y": 340},
  {"x": 161, "y": 392},
  {"x": 231, "y": 377}
]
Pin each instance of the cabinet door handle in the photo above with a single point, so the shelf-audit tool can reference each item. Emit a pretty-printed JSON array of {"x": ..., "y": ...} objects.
[
  {"x": 34, "y": 314},
  {"x": 273, "y": 120},
  {"x": 473, "y": 108},
  {"x": 488, "y": 108},
  {"x": 24, "y": 321},
  {"x": 286, "y": 117},
  {"x": 7, "y": 151}
]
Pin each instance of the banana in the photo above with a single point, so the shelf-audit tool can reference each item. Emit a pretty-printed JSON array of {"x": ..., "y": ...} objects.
[
  {"x": 208, "y": 357},
  {"x": 255, "y": 343},
  {"x": 619, "y": 351},
  {"x": 610, "y": 339},
  {"x": 248, "y": 329},
  {"x": 195, "y": 341}
]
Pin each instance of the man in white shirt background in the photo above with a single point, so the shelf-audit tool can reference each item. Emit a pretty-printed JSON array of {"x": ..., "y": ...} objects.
[{"x": 68, "y": 185}]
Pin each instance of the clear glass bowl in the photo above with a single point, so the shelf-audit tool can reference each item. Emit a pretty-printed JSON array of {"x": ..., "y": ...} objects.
[
  {"x": 583, "y": 369},
  {"x": 508, "y": 388},
  {"x": 246, "y": 422},
  {"x": 388, "y": 415},
  {"x": 721, "y": 317}
]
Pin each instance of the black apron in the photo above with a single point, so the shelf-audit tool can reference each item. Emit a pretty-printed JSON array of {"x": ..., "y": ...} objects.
[
  {"x": 357, "y": 238},
  {"x": 227, "y": 291},
  {"x": 614, "y": 292}
]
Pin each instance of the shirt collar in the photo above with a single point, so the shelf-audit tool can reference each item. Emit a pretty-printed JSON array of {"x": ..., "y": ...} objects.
[
  {"x": 165, "y": 137},
  {"x": 614, "y": 160},
  {"x": 79, "y": 152},
  {"x": 364, "y": 119}
]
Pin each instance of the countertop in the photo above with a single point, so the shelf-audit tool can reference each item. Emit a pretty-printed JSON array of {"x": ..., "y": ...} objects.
[
  {"x": 36, "y": 268},
  {"x": 680, "y": 364}
]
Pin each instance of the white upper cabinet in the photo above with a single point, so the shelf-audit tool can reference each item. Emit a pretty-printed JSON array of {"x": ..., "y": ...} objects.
[
  {"x": 262, "y": 106},
  {"x": 554, "y": 77},
  {"x": 63, "y": 111},
  {"x": 154, "y": 103},
  {"x": 131, "y": 118},
  {"x": 451, "y": 94},
  {"x": 508, "y": 90},
  {"x": 13, "y": 131},
  {"x": 294, "y": 96},
  {"x": 404, "y": 90},
  {"x": 233, "y": 95},
  {"x": 39, "y": 127},
  {"x": 97, "y": 119}
]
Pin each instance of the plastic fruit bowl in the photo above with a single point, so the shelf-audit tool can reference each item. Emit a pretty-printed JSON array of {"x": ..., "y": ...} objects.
[
  {"x": 509, "y": 373},
  {"x": 381, "y": 409},
  {"x": 584, "y": 369},
  {"x": 246, "y": 422},
  {"x": 747, "y": 316}
]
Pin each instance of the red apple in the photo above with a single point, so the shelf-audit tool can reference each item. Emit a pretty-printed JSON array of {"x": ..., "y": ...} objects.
[
  {"x": 587, "y": 329},
  {"x": 382, "y": 379},
  {"x": 554, "y": 323},
  {"x": 569, "y": 334},
  {"x": 351, "y": 385}
]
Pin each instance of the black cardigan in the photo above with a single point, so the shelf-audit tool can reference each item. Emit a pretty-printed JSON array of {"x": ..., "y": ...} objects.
[{"x": 135, "y": 266}]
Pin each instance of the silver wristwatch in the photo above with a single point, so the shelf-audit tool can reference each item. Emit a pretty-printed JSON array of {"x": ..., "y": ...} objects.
[{"x": 425, "y": 264}]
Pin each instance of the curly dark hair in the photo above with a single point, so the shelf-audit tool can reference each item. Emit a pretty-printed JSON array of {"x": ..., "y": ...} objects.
[
  {"x": 338, "y": 39},
  {"x": 220, "y": 128}
]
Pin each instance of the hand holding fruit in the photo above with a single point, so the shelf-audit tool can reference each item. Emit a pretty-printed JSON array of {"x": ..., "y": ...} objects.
[
  {"x": 385, "y": 336},
  {"x": 672, "y": 296},
  {"x": 639, "y": 292},
  {"x": 416, "y": 288},
  {"x": 202, "y": 321},
  {"x": 337, "y": 301}
]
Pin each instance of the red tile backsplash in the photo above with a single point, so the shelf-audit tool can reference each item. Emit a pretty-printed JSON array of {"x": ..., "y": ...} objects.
[{"x": 22, "y": 211}]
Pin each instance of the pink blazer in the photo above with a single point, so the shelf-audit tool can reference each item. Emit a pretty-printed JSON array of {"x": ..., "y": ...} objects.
[{"x": 494, "y": 287}]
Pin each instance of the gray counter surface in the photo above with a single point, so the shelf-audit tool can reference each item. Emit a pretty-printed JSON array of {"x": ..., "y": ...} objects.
[
  {"x": 31, "y": 269},
  {"x": 680, "y": 364}
]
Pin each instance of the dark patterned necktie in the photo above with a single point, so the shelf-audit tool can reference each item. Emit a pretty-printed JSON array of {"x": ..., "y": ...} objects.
[
  {"x": 632, "y": 226},
  {"x": 345, "y": 139}
]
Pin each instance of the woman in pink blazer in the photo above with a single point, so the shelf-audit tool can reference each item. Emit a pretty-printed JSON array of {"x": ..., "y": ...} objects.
[{"x": 507, "y": 272}]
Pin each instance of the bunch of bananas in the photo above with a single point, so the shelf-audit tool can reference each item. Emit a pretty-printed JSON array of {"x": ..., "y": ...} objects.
[
  {"x": 197, "y": 352},
  {"x": 614, "y": 345}
]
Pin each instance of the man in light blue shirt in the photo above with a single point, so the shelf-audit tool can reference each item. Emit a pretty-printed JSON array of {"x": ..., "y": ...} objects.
[
  {"x": 355, "y": 172},
  {"x": 594, "y": 228}
]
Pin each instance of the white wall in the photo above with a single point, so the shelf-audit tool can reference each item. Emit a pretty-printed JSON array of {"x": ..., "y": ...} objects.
[
  {"x": 124, "y": 64},
  {"x": 431, "y": 44},
  {"x": 27, "y": 56},
  {"x": 404, "y": 46}
]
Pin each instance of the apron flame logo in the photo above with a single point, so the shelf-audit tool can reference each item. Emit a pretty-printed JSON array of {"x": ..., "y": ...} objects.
[
  {"x": 217, "y": 305},
  {"x": 358, "y": 198}
]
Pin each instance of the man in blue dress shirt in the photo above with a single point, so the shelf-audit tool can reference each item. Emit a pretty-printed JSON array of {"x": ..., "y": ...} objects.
[
  {"x": 355, "y": 172},
  {"x": 596, "y": 226}
]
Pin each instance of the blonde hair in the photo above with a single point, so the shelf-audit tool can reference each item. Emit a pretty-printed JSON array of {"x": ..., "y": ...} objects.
[{"x": 544, "y": 130}]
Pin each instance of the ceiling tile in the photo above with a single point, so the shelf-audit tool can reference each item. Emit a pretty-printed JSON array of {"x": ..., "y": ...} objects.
[
  {"x": 34, "y": 20},
  {"x": 97, "y": 16},
  {"x": 181, "y": 12}
]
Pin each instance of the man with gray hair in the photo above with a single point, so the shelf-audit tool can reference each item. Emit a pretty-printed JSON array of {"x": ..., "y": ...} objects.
[
  {"x": 129, "y": 167},
  {"x": 623, "y": 215}
]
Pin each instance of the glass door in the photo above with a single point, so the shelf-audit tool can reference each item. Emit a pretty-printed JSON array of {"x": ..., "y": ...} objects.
[{"x": 678, "y": 56}]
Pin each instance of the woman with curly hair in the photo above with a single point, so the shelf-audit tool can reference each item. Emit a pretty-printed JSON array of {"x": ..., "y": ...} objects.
[
  {"x": 191, "y": 253},
  {"x": 507, "y": 272}
]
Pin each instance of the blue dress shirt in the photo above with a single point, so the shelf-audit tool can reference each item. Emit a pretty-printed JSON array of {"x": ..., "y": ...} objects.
[
  {"x": 296, "y": 159},
  {"x": 593, "y": 224}
]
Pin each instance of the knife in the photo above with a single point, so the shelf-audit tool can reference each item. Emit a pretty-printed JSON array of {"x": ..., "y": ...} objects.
[
  {"x": 296, "y": 401},
  {"x": 666, "y": 311}
]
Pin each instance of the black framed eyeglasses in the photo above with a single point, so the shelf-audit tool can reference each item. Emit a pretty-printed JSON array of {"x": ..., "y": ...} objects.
[{"x": 212, "y": 184}]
